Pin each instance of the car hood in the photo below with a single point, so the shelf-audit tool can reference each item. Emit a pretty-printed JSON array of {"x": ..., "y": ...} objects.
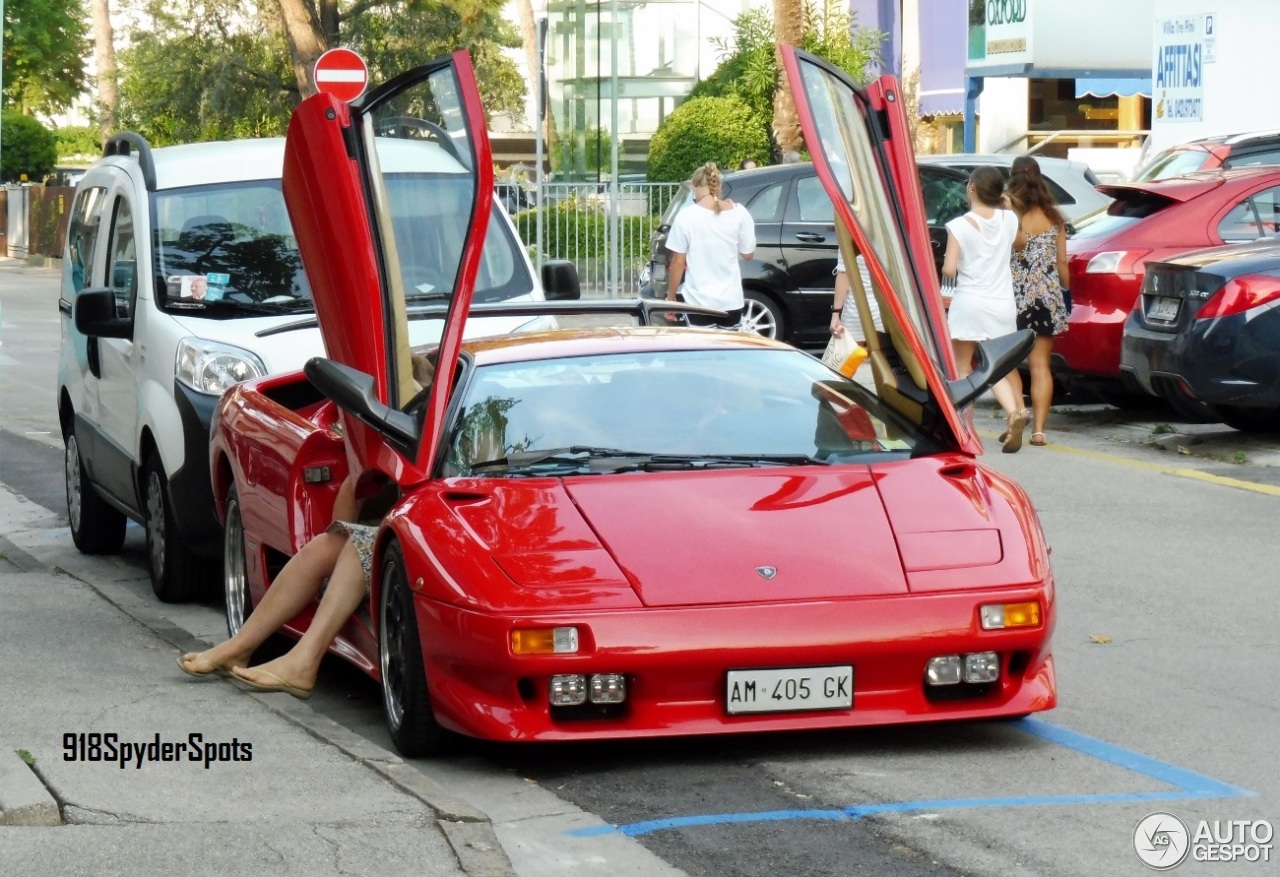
[{"x": 753, "y": 536}]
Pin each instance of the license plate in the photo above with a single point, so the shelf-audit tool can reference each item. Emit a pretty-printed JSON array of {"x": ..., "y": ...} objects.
[
  {"x": 789, "y": 690},
  {"x": 1163, "y": 309}
]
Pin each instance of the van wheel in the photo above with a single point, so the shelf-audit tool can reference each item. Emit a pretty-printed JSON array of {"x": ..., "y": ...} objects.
[
  {"x": 176, "y": 577},
  {"x": 96, "y": 527},
  {"x": 235, "y": 566},
  {"x": 405, "y": 698},
  {"x": 762, "y": 316}
]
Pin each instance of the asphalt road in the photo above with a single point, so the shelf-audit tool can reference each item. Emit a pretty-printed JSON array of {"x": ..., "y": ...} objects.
[{"x": 1166, "y": 655}]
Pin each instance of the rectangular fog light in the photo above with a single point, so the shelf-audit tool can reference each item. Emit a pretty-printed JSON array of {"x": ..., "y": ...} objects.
[
  {"x": 608, "y": 688},
  {"x": 1002, "y": 616},
  {"x": 943, "y": 670},
  {"x": 981, "y": 667},
  {"x": 568, "y": 690}
]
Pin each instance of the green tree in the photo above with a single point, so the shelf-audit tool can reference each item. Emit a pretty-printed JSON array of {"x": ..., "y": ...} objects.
[
  {"x": 719, "y": 129},
  {"x": 749, "y": 67},
  {"x": 44, "y": 48},
  {"x": 29, "y": 148}
]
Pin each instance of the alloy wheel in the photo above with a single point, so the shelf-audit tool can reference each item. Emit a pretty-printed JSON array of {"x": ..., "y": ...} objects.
[
  {"x": 71, "y": 469},
  {"x": 759, "y": 319},
  {"x": 235, "y": 574},
  {"x": 156, "y": 524},
  {"x": 391, "y": 634}
]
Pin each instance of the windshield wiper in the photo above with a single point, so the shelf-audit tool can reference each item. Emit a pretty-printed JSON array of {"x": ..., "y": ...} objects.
[
  {"x": 585, "y": 458},
  {"x": 575, "y": 456}
]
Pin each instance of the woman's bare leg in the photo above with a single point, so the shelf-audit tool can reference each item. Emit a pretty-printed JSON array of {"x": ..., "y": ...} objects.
[
  {"x": 964, "y": 351},
  {"x": 1041, "y": 381},
  {"x": 299, "y": 666},
  {"x": 295, "y": 587}
]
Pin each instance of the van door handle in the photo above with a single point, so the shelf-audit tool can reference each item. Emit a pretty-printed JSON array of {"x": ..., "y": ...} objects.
[{"x": 810, "y": 237}]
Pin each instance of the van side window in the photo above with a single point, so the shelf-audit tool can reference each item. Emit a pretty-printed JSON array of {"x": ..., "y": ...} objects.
[
  {"x": 122, "y": 274},
  {"x": 82, "y": 235}
]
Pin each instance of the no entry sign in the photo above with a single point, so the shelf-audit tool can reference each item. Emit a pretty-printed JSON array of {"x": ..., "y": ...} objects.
[{"x": 341, "y": 73}]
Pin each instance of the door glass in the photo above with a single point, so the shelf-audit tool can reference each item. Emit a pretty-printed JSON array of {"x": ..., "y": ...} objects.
[
  {"x": 852, "y": 157},
  {"x": 122, "y": 264},
  {"x": 945, "y": 197},
  {"x": 810, "y": 202},
  {"x": 82, "y": 234},
  {"x": 420, "y": 157},
  {"x": 764, "y": 206},
  {"x": 1241, "y": 224},
  {"x": 1267, "y": 205}
]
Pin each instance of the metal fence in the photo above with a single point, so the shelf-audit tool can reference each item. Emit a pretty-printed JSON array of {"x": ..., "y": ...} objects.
[
  {"x": 35, "y": 219},
  {"x": 604, "y": 229}
]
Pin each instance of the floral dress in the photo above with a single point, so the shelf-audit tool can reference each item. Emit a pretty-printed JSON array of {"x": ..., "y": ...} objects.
[{"x": 1035, "y": 285}]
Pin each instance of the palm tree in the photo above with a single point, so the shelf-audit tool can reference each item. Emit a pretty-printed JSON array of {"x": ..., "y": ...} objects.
[{"x": 788, "y": 28}]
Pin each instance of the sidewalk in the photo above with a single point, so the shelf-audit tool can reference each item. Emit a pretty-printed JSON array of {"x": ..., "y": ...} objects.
[{"x": 253, "y": 792}]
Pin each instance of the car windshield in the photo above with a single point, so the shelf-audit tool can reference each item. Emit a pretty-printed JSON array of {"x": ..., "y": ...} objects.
[
  {"x": 228, "y": 249},
  {"x": 1172, "y": 163},
  {"x": 667, "y": 411}
]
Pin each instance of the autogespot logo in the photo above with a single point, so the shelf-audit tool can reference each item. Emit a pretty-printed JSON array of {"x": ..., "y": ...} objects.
[{"x": 1161, "y": 841}]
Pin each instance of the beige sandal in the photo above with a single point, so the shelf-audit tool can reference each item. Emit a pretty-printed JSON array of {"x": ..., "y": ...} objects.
[{"x": 1012, "y": 441}]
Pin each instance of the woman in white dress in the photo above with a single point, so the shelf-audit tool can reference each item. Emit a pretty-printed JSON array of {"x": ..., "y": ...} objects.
[{"x": 976, "y": 274}]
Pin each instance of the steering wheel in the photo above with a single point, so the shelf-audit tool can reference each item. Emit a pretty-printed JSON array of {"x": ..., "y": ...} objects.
[{"x": 402, "y": 126}]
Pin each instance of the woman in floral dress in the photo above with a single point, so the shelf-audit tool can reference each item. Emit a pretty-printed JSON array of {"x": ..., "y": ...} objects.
[{"x": 1039, "y": 279}]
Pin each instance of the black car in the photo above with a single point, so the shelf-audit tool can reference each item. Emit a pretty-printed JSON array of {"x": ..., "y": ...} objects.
[
  {"x": 789, "y": 284},
  {"x": 1206, "y": 329}
]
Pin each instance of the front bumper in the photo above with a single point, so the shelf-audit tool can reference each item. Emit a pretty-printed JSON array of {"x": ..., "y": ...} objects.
[{"x": 676, "y": 663}]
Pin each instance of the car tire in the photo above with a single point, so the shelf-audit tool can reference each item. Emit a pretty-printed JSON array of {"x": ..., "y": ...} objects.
[
  {"x": 96, "y": 527},
  {"x": 1126, "y": 400},
  {"x": 176, "y": 576},
  {"x": 406, "y": 700},
  {"x": 235, "y": 567},
  {"x": 762, "y": 315},
  {"x": 1249, "y": 419}
]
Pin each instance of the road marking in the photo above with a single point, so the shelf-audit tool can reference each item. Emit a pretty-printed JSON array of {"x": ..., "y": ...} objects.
[
  {"x": 1186, "y": 784},
  {"x": 1193, "y": 474}
]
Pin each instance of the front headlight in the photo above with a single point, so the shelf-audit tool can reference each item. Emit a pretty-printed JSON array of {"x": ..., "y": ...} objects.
[{"x": 212, "y": 368}]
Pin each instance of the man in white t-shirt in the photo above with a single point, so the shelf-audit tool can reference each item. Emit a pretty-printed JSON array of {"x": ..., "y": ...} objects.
[{"x": 705, "y": 241}]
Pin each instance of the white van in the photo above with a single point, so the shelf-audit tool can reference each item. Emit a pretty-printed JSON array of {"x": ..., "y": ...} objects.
[{"x": 181, "y": 277}]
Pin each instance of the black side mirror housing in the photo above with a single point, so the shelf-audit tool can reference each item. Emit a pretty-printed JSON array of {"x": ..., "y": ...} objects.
[
  {"x": 560, "y": 281},
  {"x": 96, "y": 316},
  {"x": 352, "y": 391},
  {"x": 996, "y": 358}
]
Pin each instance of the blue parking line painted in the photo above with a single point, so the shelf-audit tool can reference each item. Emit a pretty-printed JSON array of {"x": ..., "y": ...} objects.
[{"x": 1186, "y": 784}]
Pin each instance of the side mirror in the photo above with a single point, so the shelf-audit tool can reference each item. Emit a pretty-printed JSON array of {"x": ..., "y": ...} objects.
[
  {"x": 95, "y": 314},
  {"x": 996, "y": 358},
  {"x": 352, "y": 391},
  {"x": 560, "y": 281}
]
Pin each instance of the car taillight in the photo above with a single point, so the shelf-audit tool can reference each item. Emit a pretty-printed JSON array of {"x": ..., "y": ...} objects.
[
  {"x": 1239, "y": 295},
  {"x": 1115, "y": 262}
]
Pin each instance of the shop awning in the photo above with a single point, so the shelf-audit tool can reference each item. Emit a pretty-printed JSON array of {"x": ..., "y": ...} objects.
[
  {"x": 942, "y": 57},
  {"x": 1117, "y": 87}
]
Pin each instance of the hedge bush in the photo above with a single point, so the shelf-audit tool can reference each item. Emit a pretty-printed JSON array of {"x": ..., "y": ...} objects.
[
  {"x": 719, "y": 129},
  {"x": 572, "y": 230},
  {"x": 28, "y": 148}
]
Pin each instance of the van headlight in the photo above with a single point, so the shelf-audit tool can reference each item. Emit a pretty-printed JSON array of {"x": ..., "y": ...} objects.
[{"x": 212, "y": 368}]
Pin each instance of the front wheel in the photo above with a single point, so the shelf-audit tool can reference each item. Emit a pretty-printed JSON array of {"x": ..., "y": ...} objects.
[
  {"x": 96, "y": 527},
  {"x": 405, "y": 697},
  {"x": 176, "y": 575},
  {"x": 762, "y": 315},
  {"x": 235, "y": 577}
]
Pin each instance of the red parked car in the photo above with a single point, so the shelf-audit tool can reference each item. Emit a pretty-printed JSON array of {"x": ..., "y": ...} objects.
[
  {"x": 621, "y": 532},
  {"x": 1150, "y": 222}
]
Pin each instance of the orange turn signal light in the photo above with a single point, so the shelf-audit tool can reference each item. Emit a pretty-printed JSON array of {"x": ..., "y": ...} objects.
[
  {"x": 1003, "y": 616},
  {"x": 545, "y": 641}
]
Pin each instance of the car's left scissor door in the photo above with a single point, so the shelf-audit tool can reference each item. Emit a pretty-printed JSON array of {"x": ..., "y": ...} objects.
[{"x": 357, "y": 180}]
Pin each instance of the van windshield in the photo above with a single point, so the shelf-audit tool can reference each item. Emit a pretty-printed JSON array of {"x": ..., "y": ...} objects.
[{"x": 228, "y": 250}]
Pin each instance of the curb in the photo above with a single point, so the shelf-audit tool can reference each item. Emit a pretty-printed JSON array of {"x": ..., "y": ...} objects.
[{"x": 23, "y": 798}]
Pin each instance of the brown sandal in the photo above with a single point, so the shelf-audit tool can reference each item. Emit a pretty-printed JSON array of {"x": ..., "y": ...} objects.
[{"x": 1013, "y": 437}]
